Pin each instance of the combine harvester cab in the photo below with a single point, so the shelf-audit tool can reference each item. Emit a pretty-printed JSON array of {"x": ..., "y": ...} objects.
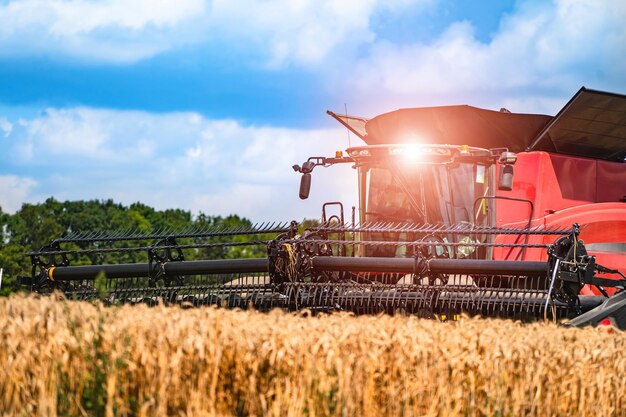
[{"x": 461, "y": 210}]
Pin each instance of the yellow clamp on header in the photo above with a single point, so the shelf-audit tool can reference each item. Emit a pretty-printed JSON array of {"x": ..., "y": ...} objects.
[{"x": 50, "y": 271}]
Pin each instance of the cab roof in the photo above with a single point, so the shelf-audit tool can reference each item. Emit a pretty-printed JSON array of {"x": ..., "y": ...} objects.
[{"x": 592, "y": 124}]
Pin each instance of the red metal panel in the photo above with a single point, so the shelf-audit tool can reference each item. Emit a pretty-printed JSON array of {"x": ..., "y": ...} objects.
[
  {"x": 611, "y": 181},
  {"x": 557, "y": 182},
  {"x": 574, "y": 182}
]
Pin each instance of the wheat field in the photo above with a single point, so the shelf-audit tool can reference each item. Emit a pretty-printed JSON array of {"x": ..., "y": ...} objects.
[{"x": 70, "y": 359}]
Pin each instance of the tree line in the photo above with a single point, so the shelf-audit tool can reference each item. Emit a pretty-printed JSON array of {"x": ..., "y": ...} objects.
[{"x": 36, "y": 225}]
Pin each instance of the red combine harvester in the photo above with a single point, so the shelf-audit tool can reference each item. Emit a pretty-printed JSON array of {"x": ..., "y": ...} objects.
[{"x": 460, "y": 210}]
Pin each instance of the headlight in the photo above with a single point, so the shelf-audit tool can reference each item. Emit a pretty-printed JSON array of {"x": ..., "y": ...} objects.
[{"x": 359, "y": 152}]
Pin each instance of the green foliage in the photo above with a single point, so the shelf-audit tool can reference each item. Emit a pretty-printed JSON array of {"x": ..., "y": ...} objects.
[
  {"x": 37, "y": 225},
  {"x": 14, "y": 263}
]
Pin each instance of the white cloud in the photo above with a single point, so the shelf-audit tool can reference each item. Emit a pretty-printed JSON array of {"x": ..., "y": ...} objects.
[
  {"x": 63, "y": 132},
  {"x": 180, "y": 160},
  {"x": 542, "y": 52},
  {"x": 303, "y": 31},
  {"x": 14, "y": 191},
  {"x": 5, "y": 126},
  {"x": 278, "y": 32},
  {"x": 93, "y": 136},
  {"x": 111, "y": 30},
  {"x": 554, "y": 45}
]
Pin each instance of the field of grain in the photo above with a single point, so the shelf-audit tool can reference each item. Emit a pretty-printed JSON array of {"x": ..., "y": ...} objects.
[{"x": 68, "y": 358}]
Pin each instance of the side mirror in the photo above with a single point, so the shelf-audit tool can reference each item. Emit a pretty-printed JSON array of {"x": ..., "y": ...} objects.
[
  {"x": 305, "y": 186},
  {"x": 505, "y": 180}
]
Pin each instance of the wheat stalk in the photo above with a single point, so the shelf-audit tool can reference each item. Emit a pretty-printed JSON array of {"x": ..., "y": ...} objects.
[{"x": 68, "y": 358}]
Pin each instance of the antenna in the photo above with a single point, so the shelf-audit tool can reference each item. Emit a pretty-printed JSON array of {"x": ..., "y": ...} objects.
[{"x": 345, "y": 107}]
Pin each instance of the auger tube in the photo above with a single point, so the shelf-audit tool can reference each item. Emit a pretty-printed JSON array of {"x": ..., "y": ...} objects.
[
  {"x": 219, "y": 266},
  {"x": 440, "y": 266}
]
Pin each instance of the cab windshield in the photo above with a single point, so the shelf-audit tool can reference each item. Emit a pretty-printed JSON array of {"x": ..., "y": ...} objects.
[{"x": 439, "y": 194}]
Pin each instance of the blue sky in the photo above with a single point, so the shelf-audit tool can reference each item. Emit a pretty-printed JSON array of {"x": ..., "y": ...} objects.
[{"x": 205, "y": 105}]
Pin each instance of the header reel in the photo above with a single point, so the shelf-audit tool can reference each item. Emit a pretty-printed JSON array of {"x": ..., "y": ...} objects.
[{"x": 321, "y": 270}]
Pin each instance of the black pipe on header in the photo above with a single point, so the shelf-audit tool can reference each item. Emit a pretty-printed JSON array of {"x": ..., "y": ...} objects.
[
  {"x": 438, "y": 266},
  {"x": 320, "y": 263},
  {"x": 219, "y": 266}
]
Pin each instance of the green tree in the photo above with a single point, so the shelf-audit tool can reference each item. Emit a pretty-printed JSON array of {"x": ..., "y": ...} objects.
[{"x": 37, "y": 225}]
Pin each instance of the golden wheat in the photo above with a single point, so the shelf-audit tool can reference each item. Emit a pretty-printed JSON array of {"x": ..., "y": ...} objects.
[{"x": 68, "y": 358}]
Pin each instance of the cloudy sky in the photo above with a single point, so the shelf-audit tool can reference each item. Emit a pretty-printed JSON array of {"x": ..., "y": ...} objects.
[{"x": 205, "y": 105}]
